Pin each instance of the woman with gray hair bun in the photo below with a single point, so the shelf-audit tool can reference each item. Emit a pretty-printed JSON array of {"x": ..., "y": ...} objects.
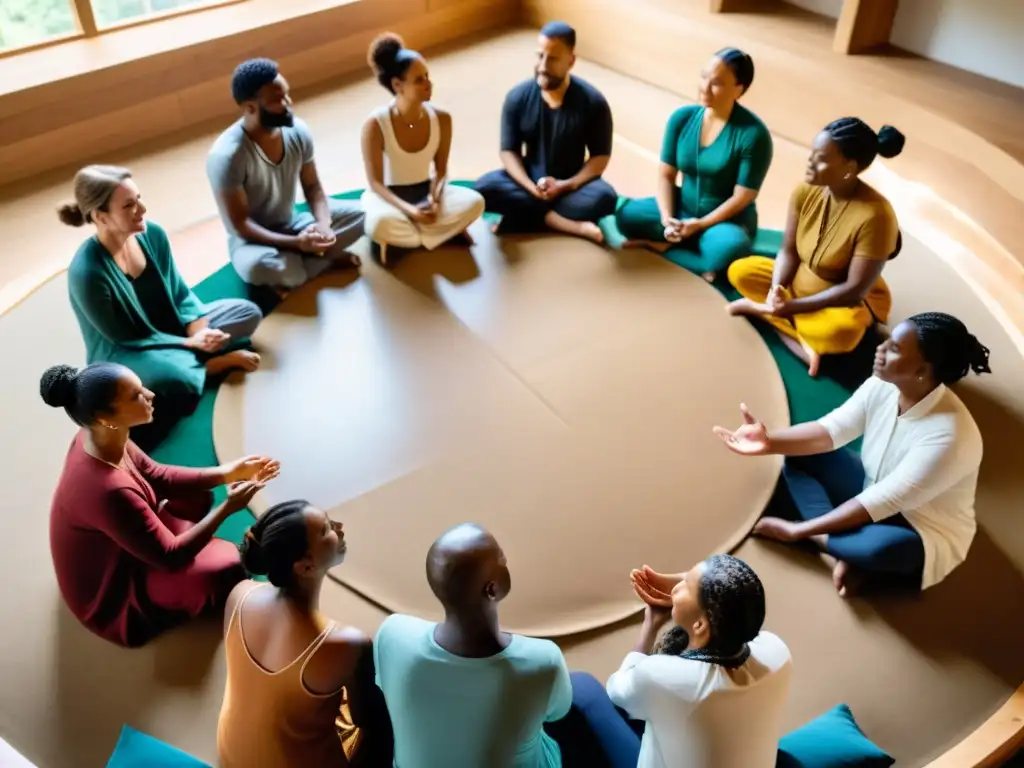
[{"x": 132, "y": 305}]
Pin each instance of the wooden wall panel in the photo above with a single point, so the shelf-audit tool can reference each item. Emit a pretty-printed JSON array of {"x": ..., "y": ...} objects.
[{"x": 79, "y": 119}]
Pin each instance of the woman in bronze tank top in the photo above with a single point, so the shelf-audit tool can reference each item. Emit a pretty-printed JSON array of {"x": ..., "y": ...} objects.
[{"x": 300, "y": 688}]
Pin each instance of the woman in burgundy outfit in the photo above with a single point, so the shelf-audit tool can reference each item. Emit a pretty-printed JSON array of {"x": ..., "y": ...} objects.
[{"x": 132, "y": 540}]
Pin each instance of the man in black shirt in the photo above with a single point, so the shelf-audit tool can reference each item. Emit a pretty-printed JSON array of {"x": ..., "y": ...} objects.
[{"x": 565, "y": 127}]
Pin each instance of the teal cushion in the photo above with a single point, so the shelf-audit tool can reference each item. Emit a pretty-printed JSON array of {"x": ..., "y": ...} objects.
[
  {"x": 138, "y": 750},
  {"x": 833, "y": 740}
]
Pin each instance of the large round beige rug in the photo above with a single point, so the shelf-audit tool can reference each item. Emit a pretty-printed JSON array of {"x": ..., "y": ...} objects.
[{"x": 559, "y": 394}]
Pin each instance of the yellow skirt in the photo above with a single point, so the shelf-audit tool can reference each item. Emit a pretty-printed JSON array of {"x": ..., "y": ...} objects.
[{"x": 829, "y": 331}]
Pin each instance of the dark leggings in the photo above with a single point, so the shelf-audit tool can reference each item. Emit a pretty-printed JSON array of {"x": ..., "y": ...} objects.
[
  {"x": 522, "y": 212},
  {"x": 595, "y": 733},
  {"x": 818, "y": 484}
]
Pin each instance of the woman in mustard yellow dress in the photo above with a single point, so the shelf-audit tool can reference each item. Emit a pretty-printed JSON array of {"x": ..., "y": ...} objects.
[{"x": 824, "y": 289}]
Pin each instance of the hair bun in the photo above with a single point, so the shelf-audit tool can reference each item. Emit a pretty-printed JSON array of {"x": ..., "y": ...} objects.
[
  {"x": 57, "y": 386},
  {"x": 890, "y": 141},
  {"x": 71, "y": 215},
  {"x": 384, "y": 51},
  {"x": 254, "y": 559}
]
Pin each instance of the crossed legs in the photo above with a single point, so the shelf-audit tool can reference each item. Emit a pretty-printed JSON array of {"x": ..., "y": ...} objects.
[{"x": 574, "y": 213}]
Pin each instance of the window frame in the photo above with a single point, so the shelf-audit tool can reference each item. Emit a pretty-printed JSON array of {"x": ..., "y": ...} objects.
[{"x": 85, "y": 20}]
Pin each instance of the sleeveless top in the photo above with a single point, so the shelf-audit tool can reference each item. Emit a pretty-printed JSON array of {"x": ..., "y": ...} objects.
[
  {"x": 403, "y": 168},
  {"x": 270, "y": 719}
]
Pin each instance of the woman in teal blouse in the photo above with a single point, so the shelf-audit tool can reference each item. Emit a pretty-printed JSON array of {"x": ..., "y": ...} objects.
[
  {"x": 723, "y": 152},
  {"x": 132, "y": 305}
]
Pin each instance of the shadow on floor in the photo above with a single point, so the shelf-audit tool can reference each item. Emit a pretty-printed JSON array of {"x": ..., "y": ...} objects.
[
  {"x": 101, "y": 686},
  {"x": 421, "y": 269}
]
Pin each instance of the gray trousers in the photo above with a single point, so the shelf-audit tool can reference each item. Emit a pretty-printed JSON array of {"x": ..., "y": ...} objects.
[
  {"x": 259, "y": 264},
  {"x": 238, "y": 318}
]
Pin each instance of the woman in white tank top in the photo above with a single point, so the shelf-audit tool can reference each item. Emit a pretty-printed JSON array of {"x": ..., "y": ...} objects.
[{"x": 406, "y": 206}]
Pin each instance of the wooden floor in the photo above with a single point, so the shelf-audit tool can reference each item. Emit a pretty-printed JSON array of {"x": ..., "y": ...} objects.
[{"x": 179, "y": 701}]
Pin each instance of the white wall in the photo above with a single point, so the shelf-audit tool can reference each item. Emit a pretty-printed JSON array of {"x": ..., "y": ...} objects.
[{"x": 983, "y": 36}]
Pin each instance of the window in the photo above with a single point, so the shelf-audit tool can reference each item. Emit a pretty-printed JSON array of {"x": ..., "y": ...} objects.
[
  {"x": 111, "y": 12},
  {"x": 30, "y": 22}
]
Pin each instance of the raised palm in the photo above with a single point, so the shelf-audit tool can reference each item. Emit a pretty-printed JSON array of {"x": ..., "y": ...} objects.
[
  {"x": 654, "y": 588},
  {"x": 750, "y": 439}
]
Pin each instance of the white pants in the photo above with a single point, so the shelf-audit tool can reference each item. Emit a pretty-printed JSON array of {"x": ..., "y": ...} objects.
[{"x": 386, "y": 225}]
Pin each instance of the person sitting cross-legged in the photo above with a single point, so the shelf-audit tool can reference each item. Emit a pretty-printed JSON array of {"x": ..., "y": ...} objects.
[
  {"x": 564, "y": 124},
  {"x": 903, "y": 510},
  {"x": 255, "y": 168},
  {"x": 462, "y": 693},
  {"x": 406, "y": 207}
]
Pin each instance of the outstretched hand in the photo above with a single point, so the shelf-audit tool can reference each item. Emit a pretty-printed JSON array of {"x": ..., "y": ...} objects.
[
  {"x": 652, "y": 587},
  {"x": 261, "y": 469},
  {"x": 750, "y": 439}
]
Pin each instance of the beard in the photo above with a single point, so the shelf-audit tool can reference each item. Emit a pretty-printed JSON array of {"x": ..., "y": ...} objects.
[
  {"x": 270, "y": 120},
  {"x": 547, "y": 81}
]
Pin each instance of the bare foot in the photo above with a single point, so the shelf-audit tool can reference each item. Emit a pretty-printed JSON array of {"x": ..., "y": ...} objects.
[
  {"x": 745, "y": 306},
  {"x": 650, "y": 245},
  {"x": 240, "y": 359},
  {"x": 846, "y": 579},
  {"x": 495, "y": 227},
  {"x": 813, "y": 359},
  {"x": 709, "y": 276},
  {"x": 591, "y": 231},
  {"x": 347, "y": 261}
]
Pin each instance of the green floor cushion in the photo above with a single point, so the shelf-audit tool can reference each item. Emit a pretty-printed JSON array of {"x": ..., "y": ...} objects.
[
  {"x": 832, "y": 740},
  {"x": 139, "y": 750}
]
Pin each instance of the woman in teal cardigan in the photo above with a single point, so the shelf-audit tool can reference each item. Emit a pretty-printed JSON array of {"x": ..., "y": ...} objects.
[
  {"x": 723, "y": 152},
  {"x": 133, "y": 306}
]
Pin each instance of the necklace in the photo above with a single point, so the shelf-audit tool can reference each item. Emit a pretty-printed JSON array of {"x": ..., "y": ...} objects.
[{"x": 411, "y": 123}]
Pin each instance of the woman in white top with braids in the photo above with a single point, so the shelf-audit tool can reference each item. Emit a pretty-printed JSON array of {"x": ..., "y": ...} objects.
[
  {"x": 404, "y": 205},
  {"x": 904, "y": 508}
]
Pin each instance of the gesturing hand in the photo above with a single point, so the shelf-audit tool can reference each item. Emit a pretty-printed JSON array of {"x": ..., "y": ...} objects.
[
  {"x": 652, "y": 587},
  {"x": 207, "y": 340},
  {"x": 257, "y": 468},
  {"x": 751, "y": 439},
  {"x": 240, "y": 494}
]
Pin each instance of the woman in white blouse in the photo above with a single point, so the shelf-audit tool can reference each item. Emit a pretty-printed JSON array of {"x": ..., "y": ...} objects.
[
  {"x": 904, "y": 508},
  {"x": 405, "y": 205},
  {"x": 713, "y": 671}
]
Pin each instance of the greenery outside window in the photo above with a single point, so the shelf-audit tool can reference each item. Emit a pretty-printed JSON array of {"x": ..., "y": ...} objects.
[{"x": 34, "y": 23}]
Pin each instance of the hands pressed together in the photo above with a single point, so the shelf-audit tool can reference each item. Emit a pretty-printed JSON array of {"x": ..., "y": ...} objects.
[
  {"x": 316, "y": 238},
  {"x": 655, "y": 589},
  {"x": 677, "y": 230},
  {"x": 426, "y": 212},
  {"x": 549, "y": 188}
]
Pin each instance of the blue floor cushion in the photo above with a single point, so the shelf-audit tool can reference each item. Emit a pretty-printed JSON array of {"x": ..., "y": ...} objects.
[
  {"x": 139, "y": 750},
  {"x": 832, "y": 740}
]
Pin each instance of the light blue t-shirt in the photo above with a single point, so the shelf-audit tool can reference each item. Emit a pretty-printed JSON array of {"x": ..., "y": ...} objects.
[{"x": 451, "y": 712}]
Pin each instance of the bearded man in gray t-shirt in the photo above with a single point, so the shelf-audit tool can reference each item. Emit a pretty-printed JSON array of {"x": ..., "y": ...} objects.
[{"x": 255, "y": 168}]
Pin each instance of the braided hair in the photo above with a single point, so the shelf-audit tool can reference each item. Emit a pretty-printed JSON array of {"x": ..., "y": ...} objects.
[
  {"x": 856, "y": 140},
  {"x": 275, "y": 542},
  {"x": 733, "y": 598},
  {"x": 949, "y": 347}
]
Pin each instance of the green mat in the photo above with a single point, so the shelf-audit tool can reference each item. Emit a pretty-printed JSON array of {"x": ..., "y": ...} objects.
[
  {"x": 136, "y": 749},
  {"x": 190, "y": 442}
]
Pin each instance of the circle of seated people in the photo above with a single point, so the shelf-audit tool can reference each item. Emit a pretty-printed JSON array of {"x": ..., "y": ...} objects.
[{"x": 133, "y": 540}]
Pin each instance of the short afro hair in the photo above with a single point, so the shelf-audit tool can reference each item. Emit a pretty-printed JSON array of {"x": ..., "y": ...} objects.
[{"x": 250, "y": 76}]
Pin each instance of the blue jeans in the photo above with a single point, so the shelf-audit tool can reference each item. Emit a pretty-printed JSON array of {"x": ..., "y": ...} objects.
[
  {"x": 595, "y": 733},
  {"x": 818, "y": 484}
]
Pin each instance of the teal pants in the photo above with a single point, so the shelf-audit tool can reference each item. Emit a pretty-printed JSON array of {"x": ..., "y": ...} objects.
[{"x": 712, "y": 250}]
